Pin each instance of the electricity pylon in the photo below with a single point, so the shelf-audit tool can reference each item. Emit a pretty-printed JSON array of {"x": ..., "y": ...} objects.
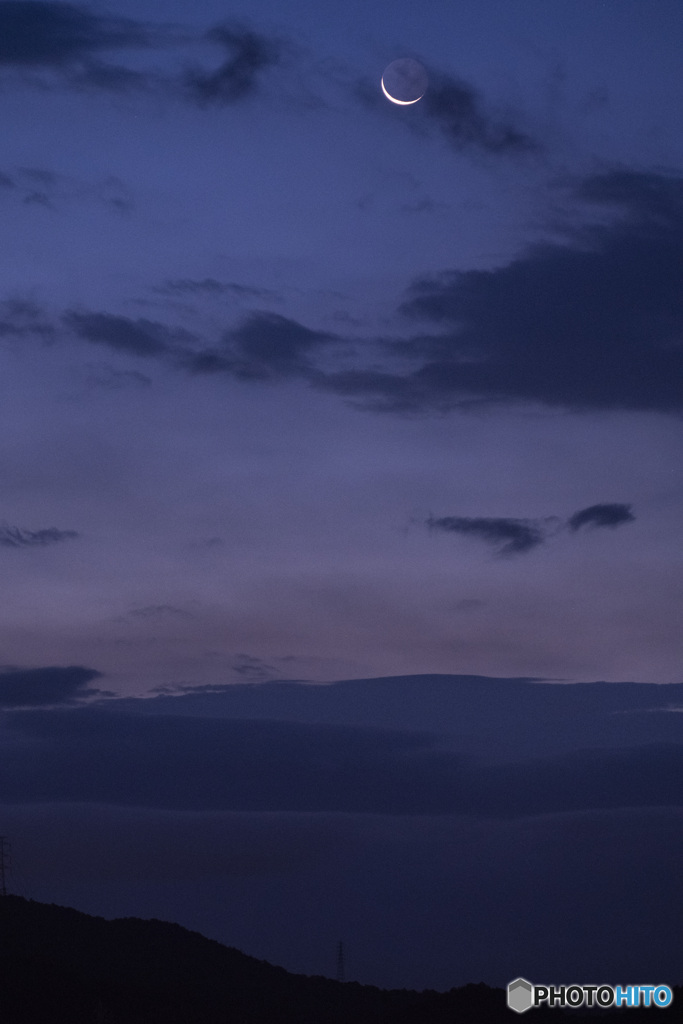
[{"x": 4, "y": 863}]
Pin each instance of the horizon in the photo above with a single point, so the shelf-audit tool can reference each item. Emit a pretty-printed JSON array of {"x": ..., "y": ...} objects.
[{"x": 438, "y": 824}]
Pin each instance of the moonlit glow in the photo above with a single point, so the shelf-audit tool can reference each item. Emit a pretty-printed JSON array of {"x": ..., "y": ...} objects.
[
  {"x": 401, "y": 103},
  {"x": 404, "y": 81}
]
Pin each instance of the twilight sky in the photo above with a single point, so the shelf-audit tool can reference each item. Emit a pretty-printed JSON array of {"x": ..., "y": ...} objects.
[{"x": 301, "y": 385}]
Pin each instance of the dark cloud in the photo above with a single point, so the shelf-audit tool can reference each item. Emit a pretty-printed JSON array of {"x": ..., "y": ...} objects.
[
  {"x": 601, "y": 515},
  {"x": 509, "y": 536},
  {"x": 271, "y": 345},
  {"x": 650, "y": 199},
  {"x": 14, "y": 537},
  {"x": 198, "y": 764},
  {"x": 517, "y": 536},
  {"x": 138, "y": 337},
  {"x": 46, "y": 686},
  {"x": 248, "y": 55},
  {"x": 209, "y": 361},
  {"x": 498, "y": 720},
  {"x": 35, "y": 34},
  {"x": 201, "y": 764},
  {"x": 596, "y": 323},
  {"x": 265, "y": 346},
  {"x": 456, "y": 107},
  {"x": 70, "y": 38}
]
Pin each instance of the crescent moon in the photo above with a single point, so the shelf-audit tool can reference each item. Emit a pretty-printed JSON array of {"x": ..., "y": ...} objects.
[{"x": 401, "y": 103}]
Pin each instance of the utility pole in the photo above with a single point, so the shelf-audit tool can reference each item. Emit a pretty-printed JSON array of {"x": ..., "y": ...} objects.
[
  {"x": 340, "y": 961},
  {"x": 4, "y": 863}
]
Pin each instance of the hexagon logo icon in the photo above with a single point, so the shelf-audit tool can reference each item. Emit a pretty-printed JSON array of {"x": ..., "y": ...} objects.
[{"x": 520, "y": 995}]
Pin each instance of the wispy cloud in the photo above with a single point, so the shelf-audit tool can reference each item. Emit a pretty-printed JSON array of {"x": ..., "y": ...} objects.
[
  {"x": 210, "y": 286},
  {"x": 38, "y": 185},
  {"x": 20, "y": 317},
  {"x": 109, "y": 379},
  {"x": 457, "y": 109},
  {"x": 511, "y": 536},
  {"x": 263, "y": 346},
  {"x": 14, "y": 537},
  {"x": 248, "y": 54},
  {"x": 601, "y": 515},
  {"x": 68, "y": 40},
  {"x": 138, "y": 337},
  {"x": 254, "y": 670},
  {"x": 153, "y": 610}
]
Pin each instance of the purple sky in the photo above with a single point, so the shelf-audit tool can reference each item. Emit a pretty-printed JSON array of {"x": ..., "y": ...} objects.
[{"x": 298, "y": 384}]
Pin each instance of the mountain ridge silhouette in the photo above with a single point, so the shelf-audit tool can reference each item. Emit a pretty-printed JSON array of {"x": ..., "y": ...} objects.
[{"x": 61, "y": 966}]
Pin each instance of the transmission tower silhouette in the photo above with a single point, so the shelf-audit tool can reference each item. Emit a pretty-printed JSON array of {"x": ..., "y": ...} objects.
[
  {"x": 340, "y": 961},
  {"x": 4, "y": 863}
]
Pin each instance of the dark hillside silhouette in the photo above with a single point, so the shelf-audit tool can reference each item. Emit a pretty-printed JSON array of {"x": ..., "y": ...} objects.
[{"x": 60, "y": 966}]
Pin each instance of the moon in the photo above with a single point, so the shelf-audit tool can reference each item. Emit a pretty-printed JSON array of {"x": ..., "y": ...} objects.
[{"x": 404, "y": 81}]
